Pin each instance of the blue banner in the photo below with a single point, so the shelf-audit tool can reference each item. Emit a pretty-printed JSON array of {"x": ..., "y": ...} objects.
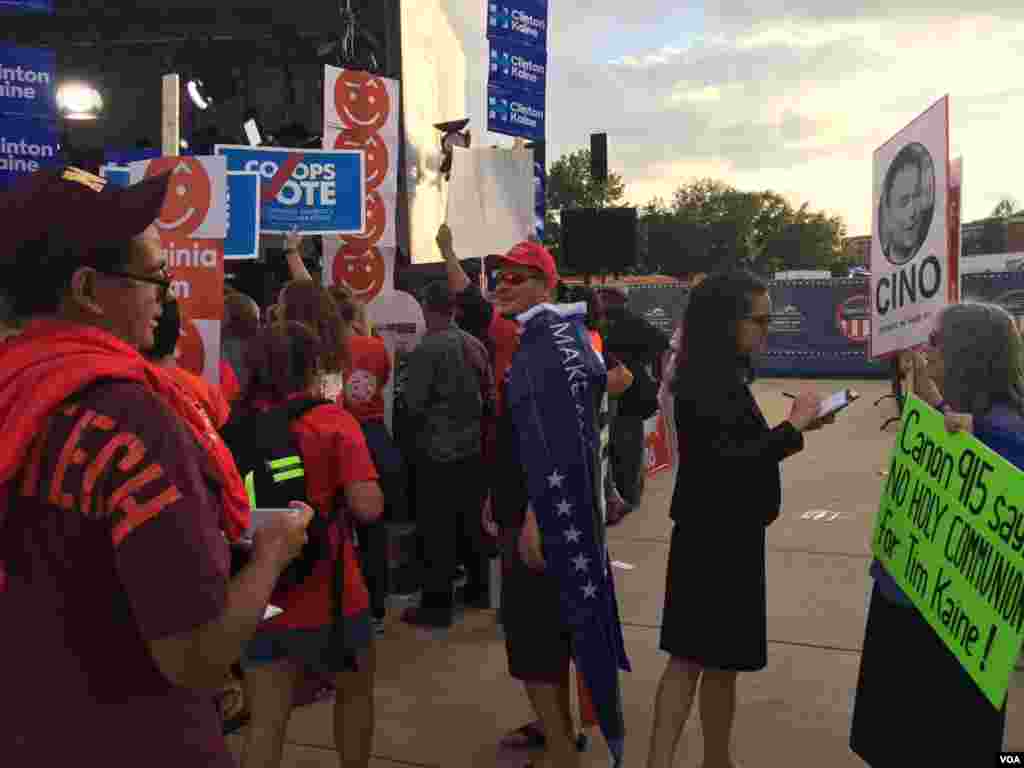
[
  {"x": 518, "y": 67},
  {"x": 33, "y": 6},
  {"x": 28, "y": 81},
  {"x": 523, "y": 22},
  {"x": 515, "y": 113},
  {"x": 26, "y": 145},
  {"x": 819, "y": 328},
  {"x": 243, "y": 240},
  {"x": 540, "y": 183},
  {"x": 315, "y": 192},
  {"x": 1003, "y": 288}
]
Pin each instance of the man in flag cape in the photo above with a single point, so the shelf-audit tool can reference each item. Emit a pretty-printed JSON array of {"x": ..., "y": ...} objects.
[
  {"x": 554, "y": 385},
  {"x": 558, "y": 600}
]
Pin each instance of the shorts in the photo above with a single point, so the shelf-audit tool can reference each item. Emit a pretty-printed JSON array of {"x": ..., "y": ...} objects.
[
  {"x": 538, "y": 642},
  {"x": 324, "y": 650}
]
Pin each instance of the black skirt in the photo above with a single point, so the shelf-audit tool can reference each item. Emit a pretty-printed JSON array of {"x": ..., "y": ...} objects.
[
  {"x": 914, "y": 697},
  {"x": 716, "y": 612}
]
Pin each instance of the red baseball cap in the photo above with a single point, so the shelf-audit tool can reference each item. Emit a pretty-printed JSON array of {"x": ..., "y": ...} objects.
[
  {"x": 84, "y": 208},
  {"x": 531, "y": 254}
]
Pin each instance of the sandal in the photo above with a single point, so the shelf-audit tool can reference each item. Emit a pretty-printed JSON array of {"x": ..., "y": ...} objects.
[{"x": 530, "y": 736}]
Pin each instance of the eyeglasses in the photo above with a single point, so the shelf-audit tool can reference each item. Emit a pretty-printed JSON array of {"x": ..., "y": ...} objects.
[
  {"x": 515, "y": 279},
  {"x": 763, "y": 320},
  {"x": 163, "y": 282}
]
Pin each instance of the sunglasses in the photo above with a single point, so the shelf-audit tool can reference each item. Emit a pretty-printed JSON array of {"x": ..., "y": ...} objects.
[
  {"x": 514, "y": 279},
  {"x": 163, "y": 282}
]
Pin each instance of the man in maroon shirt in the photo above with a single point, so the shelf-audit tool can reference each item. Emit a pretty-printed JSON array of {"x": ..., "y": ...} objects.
[{"x": 116, "y": 499}]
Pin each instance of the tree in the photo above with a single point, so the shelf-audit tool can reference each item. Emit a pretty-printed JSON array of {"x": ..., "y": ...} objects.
[
  {"x": 711, "y": 225},
  {"x": 570, "y": 184},
  {"x": 1005, "y": 208}
]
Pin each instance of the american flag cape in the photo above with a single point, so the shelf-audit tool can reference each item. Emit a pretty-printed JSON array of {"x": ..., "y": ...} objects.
[{"x": 554, "y": 384}]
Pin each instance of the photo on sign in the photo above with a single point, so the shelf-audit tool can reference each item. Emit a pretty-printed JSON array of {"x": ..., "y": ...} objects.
[{"x": 906, "y": 206}]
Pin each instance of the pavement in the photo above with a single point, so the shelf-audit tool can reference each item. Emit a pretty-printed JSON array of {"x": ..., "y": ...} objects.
[{"x": 444, "y": 699}]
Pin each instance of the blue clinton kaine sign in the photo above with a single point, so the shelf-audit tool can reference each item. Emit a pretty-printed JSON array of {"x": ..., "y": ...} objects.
[
  {"x": 522, "y": 22},
  {"x": 34, "y": 6},
  {"x": 518, "y": 66},
  {"x": 27, "y": 87},
  {"x": 515, "y": 113}
]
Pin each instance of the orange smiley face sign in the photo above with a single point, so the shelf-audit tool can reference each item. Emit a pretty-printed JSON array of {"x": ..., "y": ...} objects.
[
  {"x": 375, "y": 151},
  {"x": 189, "y": 195},
  {"x": 362, "y": 100},
  {"x": 376, "y": 222},
  {"x": 190, "y": 353},
  {"x": 362, "y": 270}
]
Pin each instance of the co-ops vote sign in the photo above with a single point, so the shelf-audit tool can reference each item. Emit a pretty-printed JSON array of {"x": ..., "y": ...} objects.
[
  {"x": 950, "y": 531},
  {"x": 310, "y": 191}
]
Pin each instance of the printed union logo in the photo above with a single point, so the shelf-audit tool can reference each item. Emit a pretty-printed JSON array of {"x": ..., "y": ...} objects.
[{"x": 499, "y": 109}]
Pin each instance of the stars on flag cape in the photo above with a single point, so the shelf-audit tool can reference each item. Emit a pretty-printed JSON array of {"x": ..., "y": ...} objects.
[{"x": 573, "y": 535}]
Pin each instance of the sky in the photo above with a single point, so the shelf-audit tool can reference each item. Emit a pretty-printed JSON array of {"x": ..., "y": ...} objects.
[{"x": 794, "y": 96}]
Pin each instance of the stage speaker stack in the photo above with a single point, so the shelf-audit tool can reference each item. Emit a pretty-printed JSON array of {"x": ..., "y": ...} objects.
[
  {"x": 599, "y": 157},
  {"x": 599, "y": 240}
]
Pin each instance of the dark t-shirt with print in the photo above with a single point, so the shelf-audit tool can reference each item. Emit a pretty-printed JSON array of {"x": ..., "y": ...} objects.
[{"x": 112, "y": 539}]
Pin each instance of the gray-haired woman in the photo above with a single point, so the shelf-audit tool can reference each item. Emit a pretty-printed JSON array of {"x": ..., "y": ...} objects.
[{"x": 913, "y": 696}]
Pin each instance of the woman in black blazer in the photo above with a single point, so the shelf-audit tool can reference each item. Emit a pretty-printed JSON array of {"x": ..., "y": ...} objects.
[{"x": 728, "y": 489}]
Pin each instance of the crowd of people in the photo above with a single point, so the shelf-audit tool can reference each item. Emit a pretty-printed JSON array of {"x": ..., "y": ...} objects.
[{"x": 161, "y": 536}]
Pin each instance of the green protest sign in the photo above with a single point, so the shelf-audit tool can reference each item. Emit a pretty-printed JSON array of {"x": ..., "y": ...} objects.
[{"x": 950, "y": 531}]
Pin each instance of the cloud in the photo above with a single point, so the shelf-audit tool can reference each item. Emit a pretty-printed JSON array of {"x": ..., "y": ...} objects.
[{"x": 796, "y": 98}]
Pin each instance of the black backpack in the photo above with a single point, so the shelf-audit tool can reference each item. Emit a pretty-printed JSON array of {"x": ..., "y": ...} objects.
[{"x": 271, "y": 465}]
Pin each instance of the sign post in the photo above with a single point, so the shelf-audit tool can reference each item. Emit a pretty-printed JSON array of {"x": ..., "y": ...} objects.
[{"x": 170, "y": 124}]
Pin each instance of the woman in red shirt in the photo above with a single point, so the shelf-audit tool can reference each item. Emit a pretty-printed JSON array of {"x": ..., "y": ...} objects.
[{"x": 284, "y": 365}]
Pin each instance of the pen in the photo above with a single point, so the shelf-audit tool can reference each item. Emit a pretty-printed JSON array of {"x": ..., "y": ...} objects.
[{"x": 790, "y": 395}]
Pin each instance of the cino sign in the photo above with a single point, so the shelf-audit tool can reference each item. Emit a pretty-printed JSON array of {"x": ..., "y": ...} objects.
[{"x": 910, "y": 272}]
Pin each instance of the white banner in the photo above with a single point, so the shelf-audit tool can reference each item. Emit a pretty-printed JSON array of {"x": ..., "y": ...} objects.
[
  {"x": 490, "y": 200},
  {"x": 361, "y": 112},
  {"x": 910, "y": 242}
]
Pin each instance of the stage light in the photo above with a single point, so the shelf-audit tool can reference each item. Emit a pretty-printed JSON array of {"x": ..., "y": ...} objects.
[
  {"x": 198, "y": 94},
  {"x": 452, "y": 135},
  {"x": 79, "y": 101}
]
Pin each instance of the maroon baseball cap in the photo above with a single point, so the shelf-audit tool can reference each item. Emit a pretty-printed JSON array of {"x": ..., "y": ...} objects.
[
  {"x": 531, "y": 254},
  {"x": 85, "y": 209}
]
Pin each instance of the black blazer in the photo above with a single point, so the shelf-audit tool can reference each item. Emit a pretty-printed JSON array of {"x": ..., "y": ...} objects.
[{"x": 728, "y": 456}]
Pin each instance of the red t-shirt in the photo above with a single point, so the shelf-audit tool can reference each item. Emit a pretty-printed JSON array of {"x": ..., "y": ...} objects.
[
  {"x": 366, "y": 376},
  {"x": 504, "y": 335},
  {"x": 229, "y": 385},
  {"x": 335, "y": 455},
  {"x": 112, "y": 539}
]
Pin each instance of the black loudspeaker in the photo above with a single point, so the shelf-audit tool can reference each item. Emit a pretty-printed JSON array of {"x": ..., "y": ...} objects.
[
  {"x": 597, "y": 240},
  {"x": 599, "y": 156}
]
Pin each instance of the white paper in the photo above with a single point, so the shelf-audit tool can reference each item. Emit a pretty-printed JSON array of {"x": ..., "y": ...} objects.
[{"x": 490, "y": 200}]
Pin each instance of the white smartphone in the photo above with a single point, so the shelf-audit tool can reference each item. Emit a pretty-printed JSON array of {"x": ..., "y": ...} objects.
[
  {"x": 837, "y": 402},
  {"x": 262, "y": 515}
]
